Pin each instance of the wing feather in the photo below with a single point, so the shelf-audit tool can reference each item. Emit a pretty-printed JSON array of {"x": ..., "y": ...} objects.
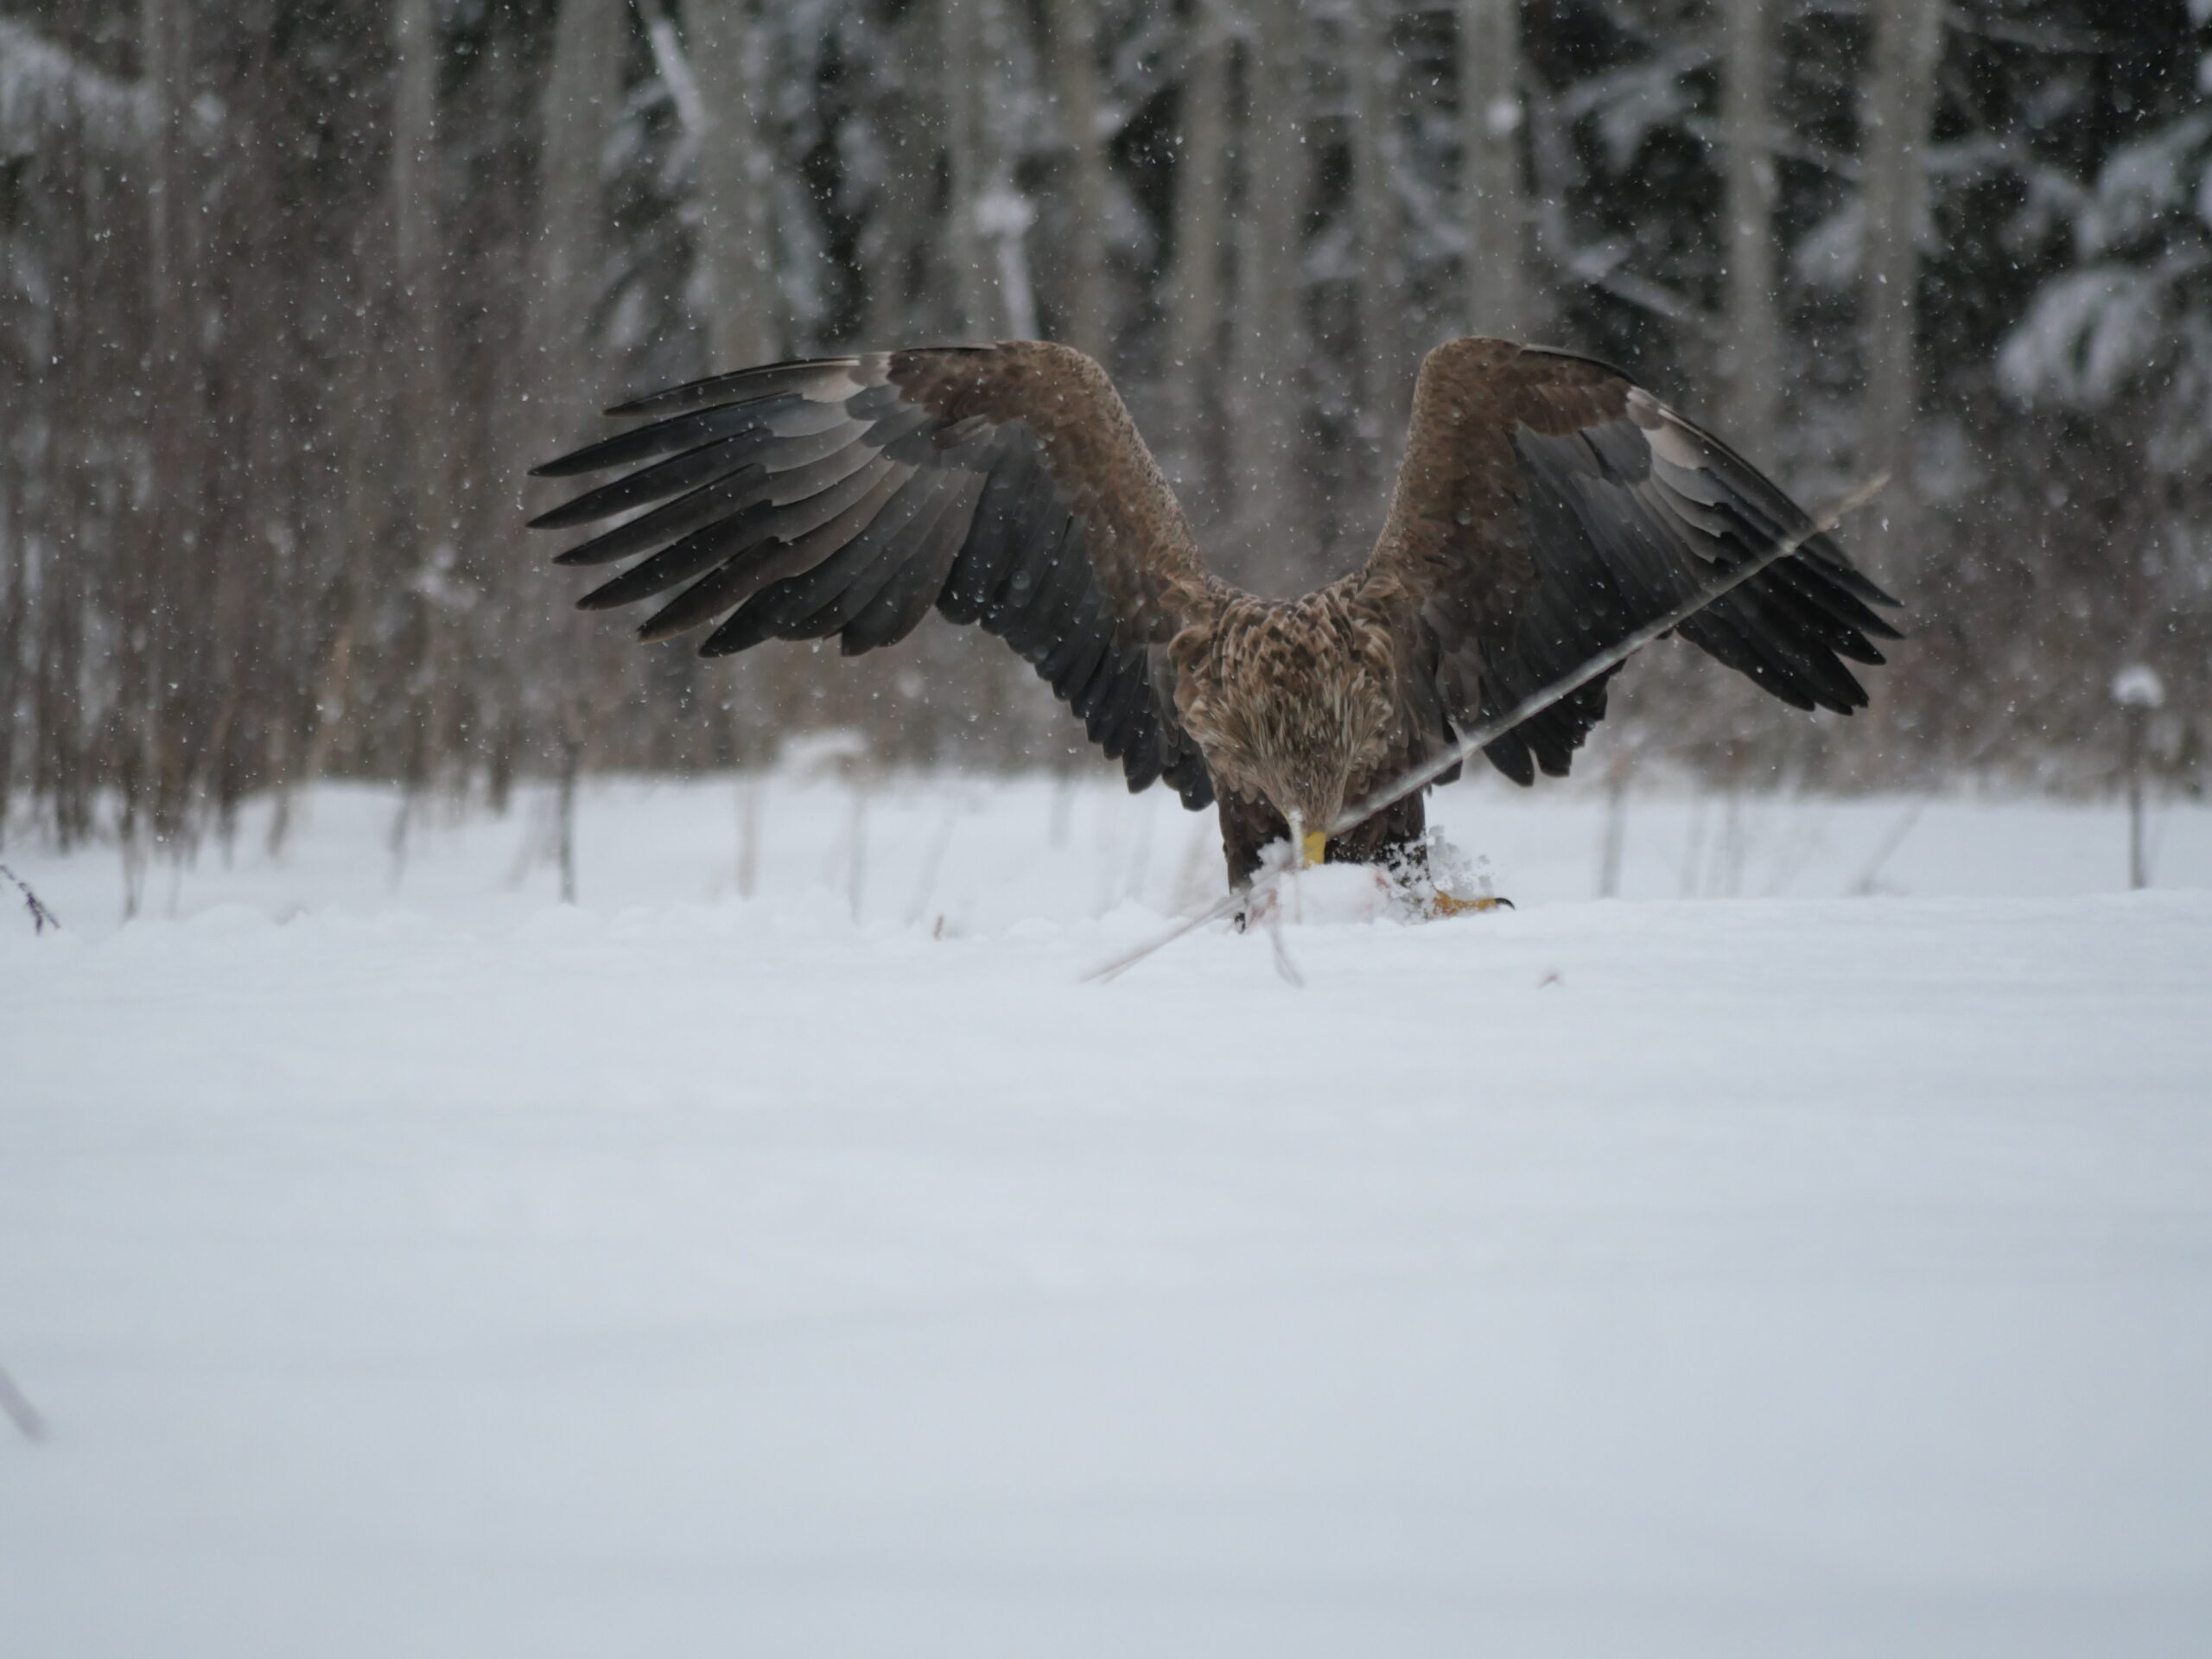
[
  {"x": 1548, "y": 508},
  {"x": 1003, "y": 486},
  {"x": 800, "y": 606}
]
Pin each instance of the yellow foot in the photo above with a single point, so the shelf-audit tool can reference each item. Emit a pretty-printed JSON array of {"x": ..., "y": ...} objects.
[{"x": 1447, "y": 905}]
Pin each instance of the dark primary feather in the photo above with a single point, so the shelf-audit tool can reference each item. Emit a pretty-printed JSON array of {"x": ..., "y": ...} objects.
[
  {"x": 1548, "y": 508},
  {"x": 847, "y": 497}
]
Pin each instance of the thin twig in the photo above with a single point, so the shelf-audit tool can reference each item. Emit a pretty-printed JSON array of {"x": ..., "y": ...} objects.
[
  {"x": 1281, "y": 858},
  {"x": 1864, "y": 886},
  {"x": 19, "y": 1409},
  {"x": 1285, "y": 970},
  {"x": 42, "y": 917},
  {"x": 1275, "y": 862}
]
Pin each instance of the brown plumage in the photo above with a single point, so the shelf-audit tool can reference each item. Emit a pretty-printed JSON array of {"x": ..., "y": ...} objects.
[{"x": 1546, "y": 509}]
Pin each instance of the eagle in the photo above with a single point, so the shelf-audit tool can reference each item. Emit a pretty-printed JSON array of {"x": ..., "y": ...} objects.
[{"x": 1546, "y": 508}]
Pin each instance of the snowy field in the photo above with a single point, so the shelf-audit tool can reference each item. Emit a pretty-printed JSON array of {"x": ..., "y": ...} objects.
[{"x": 783, "y": 1252}]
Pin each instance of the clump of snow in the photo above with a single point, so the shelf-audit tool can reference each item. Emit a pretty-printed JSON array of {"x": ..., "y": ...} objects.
[
  {"x": 45, "y": 88},
  {"x": 1334, "y": 895},
  {"x": 2142, "y": 183},
  {"x": 2087, "y": 335},
  {"x": 2137, "y": 686}
]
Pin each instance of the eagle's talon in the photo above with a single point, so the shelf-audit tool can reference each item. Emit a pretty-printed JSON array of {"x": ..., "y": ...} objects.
[{"x": 1445, "y": 905}]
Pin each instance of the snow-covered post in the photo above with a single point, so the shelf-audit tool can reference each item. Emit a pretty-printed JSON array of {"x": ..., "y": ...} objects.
[
  {"x": 749, "y": 791},
  {"x": 2140, "y": 692},
  {"x": 564, "y": 800},
  {"x": 1616, "y": 838}
]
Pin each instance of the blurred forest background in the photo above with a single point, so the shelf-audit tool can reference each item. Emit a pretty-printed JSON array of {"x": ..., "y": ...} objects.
[{"x": 293, "y": 291}]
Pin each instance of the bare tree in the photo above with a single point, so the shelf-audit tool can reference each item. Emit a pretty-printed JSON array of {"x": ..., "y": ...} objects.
[
  {"x": 728, "y": 53},
  {"x": 1750, "y": 348},
  {"x": 1492, "y": 202},
  {"x": 1899, "y": 108}
]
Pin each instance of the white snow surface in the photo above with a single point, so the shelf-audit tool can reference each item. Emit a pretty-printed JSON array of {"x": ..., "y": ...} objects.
[{"x": 1808, "y": 1252}]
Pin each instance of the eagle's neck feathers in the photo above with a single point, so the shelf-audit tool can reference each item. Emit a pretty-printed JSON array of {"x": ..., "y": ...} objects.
[{"x": 1291, "y": 701}]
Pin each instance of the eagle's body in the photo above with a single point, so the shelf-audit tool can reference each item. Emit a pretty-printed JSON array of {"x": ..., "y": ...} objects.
[{"x": 1546, "y": 508}]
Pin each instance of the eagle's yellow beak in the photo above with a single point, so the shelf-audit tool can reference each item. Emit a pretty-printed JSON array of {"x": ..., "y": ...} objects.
[{"x": 1313, "y": 846}]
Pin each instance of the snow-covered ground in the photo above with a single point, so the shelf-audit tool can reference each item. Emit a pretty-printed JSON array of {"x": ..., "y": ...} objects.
[{"x": 1808, "y": 1252}]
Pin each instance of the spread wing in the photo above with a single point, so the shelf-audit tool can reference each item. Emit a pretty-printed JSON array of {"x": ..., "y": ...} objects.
[
  {"x": 1004, "y": 485},
  {"x": 1548, "y": 508}
]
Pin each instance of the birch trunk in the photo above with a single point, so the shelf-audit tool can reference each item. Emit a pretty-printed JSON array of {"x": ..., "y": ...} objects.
[
  {"x": 163, "y": 580},
  {"x": 427, "y": 437},
  {"x": 1492, "y": 200},
  {"x": 727, "y": 44},
  {"x": 1071, "y": 39},
  {"x": 1384, "y": 353},
  {"x": 903, "y": 219},
  {"x": 1201, "y": 209},
  {"x": 416, "y": 240},
  {"x": 1900, "y": 105},
  {"x": 1274, "y": 542},
  {"x": 979, "y": 312},
  {"x": 578, "y": 109},
  {"x": 1751, "y": 349}
]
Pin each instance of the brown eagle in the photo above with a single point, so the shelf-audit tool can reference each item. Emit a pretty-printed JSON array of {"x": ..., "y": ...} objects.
[{"x": 1546, "y": 508}]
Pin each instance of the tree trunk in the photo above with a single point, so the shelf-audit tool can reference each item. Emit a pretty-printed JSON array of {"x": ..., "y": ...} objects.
[
  {"x": 427, "y": 438},
  {"x": 1751, "y": 353},
  {"x": 581, "y": 99},
  {"x": 160, "y": 681},
  {"x": 900, "y": 304},
  {"x": 416, "y": 243},
  {"x": 728, "y": 45},
  {"x": 1071, "y": 39},
  {"x": 578, "y": 109},
  {"x": 1273, "y": 543},
  {"x": 1385, "y": 378},
  {"x": 1492, "y": 200},
  {"x": 1900, "y": 107},
  {"x": 971, "y": 80},
  {"x": 1201, "y": 209},
  {"x": 14, "y": 612}
]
